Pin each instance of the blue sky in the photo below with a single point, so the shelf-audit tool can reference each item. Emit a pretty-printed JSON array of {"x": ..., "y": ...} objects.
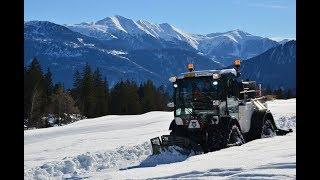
[{"x": 267, "y": 18}]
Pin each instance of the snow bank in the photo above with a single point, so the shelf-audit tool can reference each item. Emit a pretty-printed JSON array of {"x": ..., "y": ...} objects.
[{"x": 89, "y": 161}]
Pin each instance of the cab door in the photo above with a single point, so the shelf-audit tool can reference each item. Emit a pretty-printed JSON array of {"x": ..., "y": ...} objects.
[{"x": 232, "y": 99}]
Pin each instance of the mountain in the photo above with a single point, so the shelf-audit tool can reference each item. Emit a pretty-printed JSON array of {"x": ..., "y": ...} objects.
[
  {"x": 275, "y": 68},
  {"x": 125, "y": 33},
  {"x": 225, "y": 47},
  {"x": 284, "y": 41},
  {"x": 139, "y": 50},
  {"x": 64, "y": 51}
]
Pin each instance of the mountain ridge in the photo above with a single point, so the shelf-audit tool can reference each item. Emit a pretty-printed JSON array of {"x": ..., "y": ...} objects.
[
  {"x": 221, "y": 46},
  {"x": 143, "y": 57},
  {"x": 64, "y": 51},
  {"x": 275, "y": 68}
]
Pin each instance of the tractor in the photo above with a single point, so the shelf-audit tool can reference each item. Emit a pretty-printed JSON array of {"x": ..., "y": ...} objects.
[{"x": 215, "y": 109}]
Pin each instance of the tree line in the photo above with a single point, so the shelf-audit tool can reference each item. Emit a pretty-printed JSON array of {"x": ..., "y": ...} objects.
[
  {"x": 279, "y": 93},
  {"x": 47, "y": 103}
]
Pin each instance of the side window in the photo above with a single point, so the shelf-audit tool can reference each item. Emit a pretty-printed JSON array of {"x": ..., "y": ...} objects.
[
  {"x": 235, "y": 89},
  {"x": 240, "y": 88}
]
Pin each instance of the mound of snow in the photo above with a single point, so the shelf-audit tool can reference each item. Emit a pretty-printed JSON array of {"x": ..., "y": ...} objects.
[{"x": 83, "y": 163}]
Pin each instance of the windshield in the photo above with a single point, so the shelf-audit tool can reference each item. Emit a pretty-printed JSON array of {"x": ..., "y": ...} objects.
[{"x": 196, "y": 93}]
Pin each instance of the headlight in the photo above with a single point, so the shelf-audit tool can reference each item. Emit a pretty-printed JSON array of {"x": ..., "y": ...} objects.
[
  {"x": 215, "y": 76},
  {"x": 178, "y": 121},
  {"x": 216, "y": 102}
]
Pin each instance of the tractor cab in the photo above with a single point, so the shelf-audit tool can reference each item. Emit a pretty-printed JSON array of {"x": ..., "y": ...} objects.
[{"x": 210, "y": 92}]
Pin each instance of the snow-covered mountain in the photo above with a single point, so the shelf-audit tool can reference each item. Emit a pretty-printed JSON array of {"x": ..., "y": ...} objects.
[
  {"x": 140, "y": 50},
  {"x": 225, "y": 47},
  {"x": 275, "y": 68},
  {"x": 64, "y": 51},
  {"x": 222, "y": 47},
  {"x": 123, "y": 33},
  {"x": 284, "y": 41}
]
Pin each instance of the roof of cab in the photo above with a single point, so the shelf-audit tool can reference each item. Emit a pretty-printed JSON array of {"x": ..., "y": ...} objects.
[{"x": 209, "y": 72}]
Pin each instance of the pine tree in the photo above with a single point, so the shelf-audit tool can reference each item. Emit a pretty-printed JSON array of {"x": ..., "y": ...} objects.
[
  {"x": 26, "y": 95},
  {"x": 86, "y": 97},
  {"x": 48, "y": 88},
  {"x": 279, "y": 93},
  {"x": 62, "y": 104},
  {"x": 34, "y": 94},
  {"x": 148, "y": 98},
  {"x": 124, "y": 98},
  {"x": 289, "y": 94},
  {"x": 101, "y": 103},
  {"x": 77, "y": 84},
  {"x": 133, "y": 102},
  {"x": 268, "y": 90},
  {"x": 106, "y": 95},
  {"x": 161, "y": 99}
]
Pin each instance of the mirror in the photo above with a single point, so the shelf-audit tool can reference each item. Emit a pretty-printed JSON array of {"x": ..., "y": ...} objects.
[
  {"x": 172, "y": 79},
  {"x": 170, "y": 104}
]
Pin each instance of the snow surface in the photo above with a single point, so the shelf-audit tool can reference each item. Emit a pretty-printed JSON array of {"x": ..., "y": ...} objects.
[{"x": 118, "y": 147}]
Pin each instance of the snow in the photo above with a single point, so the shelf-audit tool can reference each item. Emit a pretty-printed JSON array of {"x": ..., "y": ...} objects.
[
  {"x": 117, "y": 23},
  {"x": 82, "y": 42},
  {"x": 115, "y": 52},
  {"x": 118, "y": 147}
]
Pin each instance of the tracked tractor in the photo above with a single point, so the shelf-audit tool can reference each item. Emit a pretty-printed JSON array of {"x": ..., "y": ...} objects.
[{"x": 215, "y": 109}]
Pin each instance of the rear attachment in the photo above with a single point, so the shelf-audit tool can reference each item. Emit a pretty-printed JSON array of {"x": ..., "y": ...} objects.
[
  {"x": 186, "y": 146},
  {"x": 282, "y": 132}
]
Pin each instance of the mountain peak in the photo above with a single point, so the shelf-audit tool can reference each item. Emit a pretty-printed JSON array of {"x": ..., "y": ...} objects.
[
  {"x": 236, "y": 33},
  {"x": 166, "y": 25},
  {"x": 112, "y": 18},
  {"x": 45, "y": 26},
  {"x": 119, "y": 17},
  {"x": 40, "y": 23},
  {"x": 239, "y": 32}
]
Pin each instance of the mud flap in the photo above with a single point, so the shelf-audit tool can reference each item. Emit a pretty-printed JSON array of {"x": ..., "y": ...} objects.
[{"x": 282, "y": 132}]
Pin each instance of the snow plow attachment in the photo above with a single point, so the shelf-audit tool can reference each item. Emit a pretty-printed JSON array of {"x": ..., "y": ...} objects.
[{"x": 166, "y": 141}]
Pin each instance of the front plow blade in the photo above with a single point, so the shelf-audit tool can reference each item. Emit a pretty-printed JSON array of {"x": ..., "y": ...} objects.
[
  {"x": 166, "y": 141},
  {"x": 156, "y": 145}
]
